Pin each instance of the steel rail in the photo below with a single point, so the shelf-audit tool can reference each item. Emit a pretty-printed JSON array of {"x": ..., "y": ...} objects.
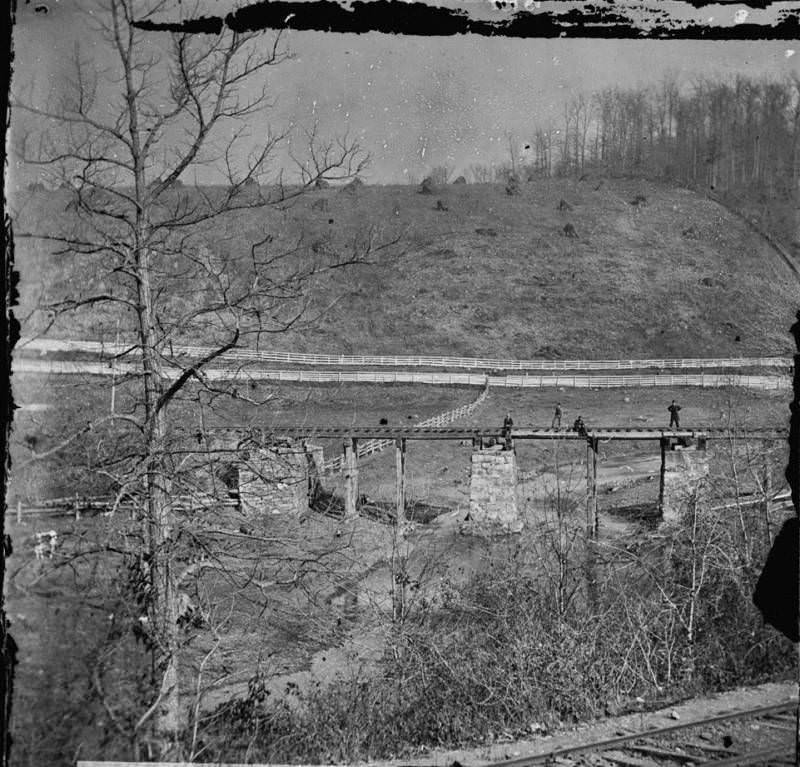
[{"x": 617, "y": 740}]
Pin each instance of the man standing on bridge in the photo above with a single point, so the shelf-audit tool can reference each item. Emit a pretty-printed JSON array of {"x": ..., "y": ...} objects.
[
  {"x": 673, "y": 415},
  {"x": 556, "y": 424},
  {"x": 508, "y": 423}
]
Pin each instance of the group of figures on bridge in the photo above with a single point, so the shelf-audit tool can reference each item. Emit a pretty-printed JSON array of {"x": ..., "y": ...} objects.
[{"x": 578, "y": 425}]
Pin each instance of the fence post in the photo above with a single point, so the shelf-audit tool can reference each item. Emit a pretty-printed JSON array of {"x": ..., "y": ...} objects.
[{"x": 350, "y": 477}]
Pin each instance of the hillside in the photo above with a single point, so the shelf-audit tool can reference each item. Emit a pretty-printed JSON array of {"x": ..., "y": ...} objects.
[{"x": 493, "y": 275}]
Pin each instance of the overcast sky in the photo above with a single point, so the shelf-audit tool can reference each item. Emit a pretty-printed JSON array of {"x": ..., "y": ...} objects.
[{"x": 414, "y": 102}]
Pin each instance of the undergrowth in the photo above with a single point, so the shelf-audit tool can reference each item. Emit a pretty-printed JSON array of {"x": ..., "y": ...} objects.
[{"x": 667, "y": 619}]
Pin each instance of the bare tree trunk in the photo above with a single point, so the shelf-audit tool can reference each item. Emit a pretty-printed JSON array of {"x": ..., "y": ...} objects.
[{"x": 163, "y": 597}]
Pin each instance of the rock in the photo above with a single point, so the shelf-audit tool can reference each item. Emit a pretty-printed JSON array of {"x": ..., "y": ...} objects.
[
  {"x": 548, "y": 352},
  {"x": 426, "y": 187},
  {"x": 674, "y": 715},
  {"x": 512, "y": 187},
  {"x": 353, "y": 187}
]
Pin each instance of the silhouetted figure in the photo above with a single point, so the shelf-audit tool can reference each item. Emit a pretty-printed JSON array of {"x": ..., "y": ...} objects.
[
  {"x": 579, "y": 426},
  {"x": 556, "y": 424},
  {"x": 569, "y": 231},
  {"x": 674, "y": 418},
  {"x": 508, "y": 424},
  {"x": 440, "y": 205}
]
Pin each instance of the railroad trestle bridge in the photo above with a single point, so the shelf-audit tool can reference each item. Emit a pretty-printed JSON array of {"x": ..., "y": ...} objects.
[{"x": 282, "y": 462}]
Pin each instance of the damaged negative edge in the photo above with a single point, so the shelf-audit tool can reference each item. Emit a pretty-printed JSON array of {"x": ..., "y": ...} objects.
[{"x": 575, "y": 18}]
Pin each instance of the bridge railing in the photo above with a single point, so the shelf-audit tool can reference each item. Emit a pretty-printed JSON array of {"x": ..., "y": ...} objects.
[{"x": 44, "y": 345}]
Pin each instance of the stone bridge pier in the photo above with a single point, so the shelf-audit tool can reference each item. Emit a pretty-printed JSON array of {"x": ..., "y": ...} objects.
[
  {"x": 684, "y": 469},
  {"x": 493, "y": 494},
  {"x": 279, "y": 478}
]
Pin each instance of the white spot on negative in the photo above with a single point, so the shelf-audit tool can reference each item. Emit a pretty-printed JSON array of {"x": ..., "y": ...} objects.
[
  {"x": 789, "y": 53},
  {"x": 741, "y": 16}
]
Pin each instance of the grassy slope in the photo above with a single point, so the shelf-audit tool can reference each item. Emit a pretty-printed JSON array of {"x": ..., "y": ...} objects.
[{"x": 629, "y": 286}]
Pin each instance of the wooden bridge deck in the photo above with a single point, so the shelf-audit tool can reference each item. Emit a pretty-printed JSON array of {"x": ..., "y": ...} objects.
[{"x": 433, "y": 433}]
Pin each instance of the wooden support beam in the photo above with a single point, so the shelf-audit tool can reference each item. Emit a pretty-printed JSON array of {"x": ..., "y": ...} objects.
[
  {"x": 591, "y": 486},
  {"x": 767, "y": 508},
  {"x": 350, "y": 477},
  {"x": 767, "y": 487},
  {"x": 664, "y": 444},
  {"x": 588, "y": 488},
  {"x": 595, "y": 510},
  {"x": 400, "y": 465}
]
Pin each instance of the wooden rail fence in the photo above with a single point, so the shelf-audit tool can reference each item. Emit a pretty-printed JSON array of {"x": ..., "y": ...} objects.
[
  {"x": 708, "y": 380},
  {"x": 376, "y": 445},
  {"x": 45, "y": 345}
]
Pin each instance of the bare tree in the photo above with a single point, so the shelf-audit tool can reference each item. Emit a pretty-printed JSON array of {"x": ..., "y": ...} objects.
[
  {"x": 440, "y": 174},
  {"x": 481, "y": 173},
  {"x": 123, "y": 140}
]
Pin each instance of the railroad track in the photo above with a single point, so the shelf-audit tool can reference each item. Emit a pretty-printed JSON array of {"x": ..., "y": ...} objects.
[{"x": 761, "y": 736}]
